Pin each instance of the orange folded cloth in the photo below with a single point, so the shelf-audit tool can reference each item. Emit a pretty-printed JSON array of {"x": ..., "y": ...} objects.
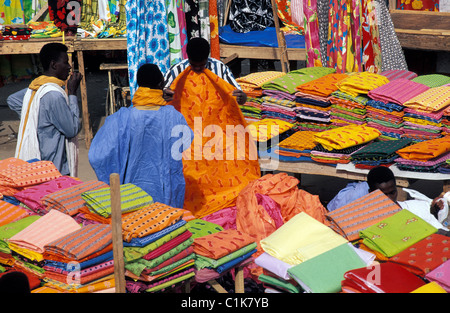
[
  {"x": 29, "y": 174},
  {"x": 426, "y": 150},
  {"x": 10, "y": 213}
]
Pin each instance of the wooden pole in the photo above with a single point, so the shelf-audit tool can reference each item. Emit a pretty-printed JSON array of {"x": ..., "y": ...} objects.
[
  {"x": 84, "y": 101},
  {"x": 282, "y": 47},
  {"x": 116, "y": 223}
]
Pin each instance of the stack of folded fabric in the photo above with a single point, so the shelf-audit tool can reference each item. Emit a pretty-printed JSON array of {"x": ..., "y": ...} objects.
[
  {"x": 132, "y": 198},
  {"x": 220, "y": 252},
  {"x": 333, "y": 156},
  {"x": 424, "y": 156},
  {"x": 251, "y": 84},
  {"x": 379, "y": 153},
  {"x": 16, "y": 175},
  {"x": 391, "y": 278},
  {"x": 16, "y": 32},
  {"x": 276, "y": 108},
  {"x": 31, "y": 196},
  {"x": 432, "y": 80},
  {"x": 44, "y": 29},
  {"x": 425, "y": 112},
  {"x": 361, "y": 83},
  {"x": 69, "y": 200},
  {"x": 81, "y": 261},
  {"x": 297, "y": 147},
  {"x": 397, "y": 74},
  {"x": 386, "y": 117},
  {"x": 28, "y": 245},
  {"x": 446, "y": 121},
  {"x": 157, "y": 248},
  {"x": 347, "y": 109},
  {"x": 361, "y": 213},
  {"x": 10, "y": 212},
  {"x": 269, "y": 132},
  {"x": 251, "y": 109},
  {"x": 396, "y": 233},
  {"x": 441, "y": 276}
]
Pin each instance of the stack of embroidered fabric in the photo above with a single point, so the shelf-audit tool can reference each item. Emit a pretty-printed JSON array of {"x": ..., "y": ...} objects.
[
  {"x": 220, "y": 251},
  {"x": 157, "y": 248},
  {"x": 296, "y": 148},
  {"x": 81, "y": 261},
  {"x": 425, "y": 156}
]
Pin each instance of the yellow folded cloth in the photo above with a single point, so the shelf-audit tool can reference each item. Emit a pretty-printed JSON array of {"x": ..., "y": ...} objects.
[
  {"x": 346, "y": 136},
  {"x": 432, "y": 287}
]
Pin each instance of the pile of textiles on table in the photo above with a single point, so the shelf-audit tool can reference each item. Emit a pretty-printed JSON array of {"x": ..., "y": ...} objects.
[
  {"x": 158, "y": 248},
  {"x": 347, "y": 109},
  {"x": 269, "y": 132},
  {"x": 251, "y": 109},
  {"x": 44, "y": 29},
  {"x": 295, "y": 148},
  {"x": 426, "y": 156},
  {"x": 276, "y": 108},
  {"x": 220, "y": 251},
  {"x": 16, "y": 33}
]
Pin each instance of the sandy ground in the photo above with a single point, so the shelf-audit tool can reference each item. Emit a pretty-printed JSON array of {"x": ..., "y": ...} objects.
[{"x": 325, "y": 187}]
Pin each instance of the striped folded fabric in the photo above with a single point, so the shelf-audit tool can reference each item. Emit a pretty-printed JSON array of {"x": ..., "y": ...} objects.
[
  {"x": 396, "y": 74},
  {"x": 431, "y": 100},
  {"x": 397, "y": 91},
  {"x": 256, "y": 80},
  {"x": 350, "y": 219},
  {"x": 154, "y": 217},
  {"x": 4, "y": 165},
  {"x": 29, "y": 174},
  {"x": 69, "y": 200},
  {"x": 132, "y": 198},
  {"x": 32, "y": 195},
  {"x": 81, "y": 243},
  {"x": 48, "y": 228},
  {"x": 10, "y": 213}
]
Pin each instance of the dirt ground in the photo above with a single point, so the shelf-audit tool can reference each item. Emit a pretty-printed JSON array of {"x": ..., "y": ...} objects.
[{"x": 97, "y": 83}]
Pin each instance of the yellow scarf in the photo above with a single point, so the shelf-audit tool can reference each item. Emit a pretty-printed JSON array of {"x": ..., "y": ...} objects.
[
  {"x": 34, "y": 86},
  {"x": 147, "y": 98}
]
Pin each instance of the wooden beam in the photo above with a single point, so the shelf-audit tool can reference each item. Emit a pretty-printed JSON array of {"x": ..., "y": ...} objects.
[
  {"x": 40, "y": 13},
  {"x": 84, "y": 101},
  {"x": 261, "y": 53}
]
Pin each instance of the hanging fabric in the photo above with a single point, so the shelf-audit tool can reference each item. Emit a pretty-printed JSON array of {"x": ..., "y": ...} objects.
[
  {"x": 147, "y": 37},
  {"x": 311, "y": 27},
  {"x": 203, "y": 15},
  {"x": 214, "y": 30},
  {"x": 192, "y": 20},
  {"x": 11, "y": 12},
  {"x": 174, "y": 32},
  {"x": 182, "y": 25},
  {"x": 286, "y": 14}
]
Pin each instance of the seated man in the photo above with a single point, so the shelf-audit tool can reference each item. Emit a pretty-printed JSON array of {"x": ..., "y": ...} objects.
[
  {"x": 144, "y": 143},
  {"x": 50, "y": 117},
  {"x": 198, "y": 50}
]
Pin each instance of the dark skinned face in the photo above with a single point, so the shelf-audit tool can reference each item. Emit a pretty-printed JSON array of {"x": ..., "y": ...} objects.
[
  {"x": 198, "y": 66},
  {"x": 389, "y": 189},
  {"x": 61, "y": 68}
]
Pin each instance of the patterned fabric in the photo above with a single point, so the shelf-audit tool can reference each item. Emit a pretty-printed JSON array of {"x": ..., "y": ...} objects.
[
  {"x": 217, "y": 245},
  {"x": 381, "y": 149},
  {"x": 191, "y": 9},
  {"x": 420, "y": 5},
  {"x": 10, "y": 213},
  {"x": 268, "y": 128},
  {"x": 431, "y": 100},
  {"x": 80, "y": 244},
  {"x": 312, "y": 39},
  {"x": 361, "y": 83},
  {"x": 424, "y": 256},
  {"x": 432, "y": 80},
  {"x": 424, "y": 151},
  {"x": 213, "y": 180},
  {"x": 284, "y": 12},
  {"x": 397, "y": 91},
  {"x": 168, "y": 245},
  {"x": 255, "y": 80},
  {"x": 214, "y": 29},
  {"x": 322, "y": 86},
  {"x": 174, "y": 32},
  {"x": 69, "y": 200},
  {"x": 396, "y": 233},
  {"x": 32, "y": 196},
  {"x": 396, "y": 74},
  {"x": 144, "y": 241},
  {"x": 346, "y": 136},
  {"x": 150, "y": 219},
  {"x": 64, "y": 14},
  {"x": 12, "y": 228},
  {"x": 300, "y": 140},
  {"x": 441, "y": 275},
  {"x": 359, "y": 214},
  {"x": 48, "y": 228},
  {"x": 151, "y": 46},
  {"x": 200, "y": 228},
  {"x": 132, "y": 198},
  {"x": 29, "y": 174},
  {"x": 250, "y": 15},
  {"x": 205, "y": 262}
]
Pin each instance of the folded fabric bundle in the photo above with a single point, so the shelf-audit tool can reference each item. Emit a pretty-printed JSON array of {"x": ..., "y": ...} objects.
[
  {"x": 432, "y": 80},
  {"x": 431, "y": 100},
  {"x": 300, "y": 140},
  {"x": 273, "y": 265},
  {"x": 424, "y": 151},
  {"x": 278, "y": 283},
  {"x": 431, "y": 166},
  {"x": 169, "y": 245},
  {"x": 441, "y": 275},
  {"x": 254, "y": 81},
  {"x": 343, "y": 156},
  {"x": 132, "y": 198},
  {"x": 396, "y": 233},
  {"x": 342, "y": 97},
  {"x": 200, "y": 228},
  {"x": 203, "y": 261},
  {"x": 311, "y": 238},
  {"x": 28, "y": 174},
  {"x": 361, "y": 83},
  {"x": 361, "y": 213},
  {"x": 397, "y": 91},
  {"x": 48, "y": 228},
  {"x": 396, "y": 74},
  {"x": 10, "y": 229},
  {"x": 217, "y": 245},
  {"x": 149, "y": 219},
  {"x": 389, "y": 278},
  {"x": 279, "y": 94},
  {"x": 266, "y": 129},
  {"x": 69, "y": 200},
  {"x": 180, "y": 258},
  {"x": 380, "y": 150},
  {"x": 10, "y": 213},
  {"x": 80, "y": 244},
  {"x": 425, "y": 255},
  {"x": 324, "y": 272},
  {"x": 33, "y": 195},
  {"x": 144, "y": 241},
  {"x": 346, "y": 136},
  {"x": 171, "y": 280},
  {"x": 69, "y": 265},
  {"x": 322, "y": 86},
  {"x": 432, "y": 287}
]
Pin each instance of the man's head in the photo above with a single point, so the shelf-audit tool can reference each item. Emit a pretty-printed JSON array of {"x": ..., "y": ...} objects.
[
  {"x": 198, "y": 50},
  {"x": 382, "y": 178},
  {"x": 150, "y": 76},
  {"x": 55, "y": 61}
]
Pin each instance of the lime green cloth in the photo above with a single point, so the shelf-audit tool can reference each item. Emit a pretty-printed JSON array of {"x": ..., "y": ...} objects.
[
  {"x": 132, "y": 198},
  {"x": 200, "y": 228},
  {"x": 280, "y": 283},
  {"x": 203, "y": 262},
  {"x": 396, "y": 233},
  {"x": 324, "y": 272},
  {"x": 9, "y": 230}
]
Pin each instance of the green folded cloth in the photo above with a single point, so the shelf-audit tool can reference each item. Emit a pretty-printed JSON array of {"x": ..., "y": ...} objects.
[
  {"x": 381, "y": 149},
  {"x": 279, "y": 283},
  {"x": 200, "y": 228},
  {"x": 132, "y": 198},
  {"x": 396, "y": 233},
  {"x": 432, "y": 80},
  {"x": 203, "y": 262},
  {"x": 325, "y": 272}
]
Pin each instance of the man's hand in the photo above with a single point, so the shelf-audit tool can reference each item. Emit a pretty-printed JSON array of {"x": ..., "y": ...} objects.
[
  {"x": 436, "y": 205},
  {"x": 168, "y": 94},
  {"x": 73, "y": 83},
  {"x": 241, "y": 97}
]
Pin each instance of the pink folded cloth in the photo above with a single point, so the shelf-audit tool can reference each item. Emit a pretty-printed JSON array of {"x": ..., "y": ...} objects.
[
  {"x": 441, "y": 275},
  {"x": 434, "y": 115},
  {"x": 397, "y": 74},
  {"x": 397, "y": 91}
]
